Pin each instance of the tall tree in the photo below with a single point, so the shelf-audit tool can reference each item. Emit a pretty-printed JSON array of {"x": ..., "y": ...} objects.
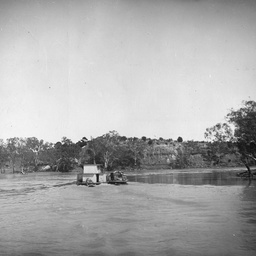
[
  {"x": 244, "y": 122},
  {"x": 219, "y": 133},
  {"x": 14, "y": 146},
  {"x": 66, "y": 154},
  {"x": 3, "y": 155},
  {"x": 34, "y": 145},
  {"x": 180, "y": 139},
  {"x": 88, "y": 151},
  {"x": 106, "y": 147},
  {"x": 136, "y": 147}
]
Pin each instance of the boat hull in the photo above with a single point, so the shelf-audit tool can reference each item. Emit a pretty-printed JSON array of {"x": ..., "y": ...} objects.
[
  {"x": 115, "y": 182},
  {"x": 84, "y": 183}
]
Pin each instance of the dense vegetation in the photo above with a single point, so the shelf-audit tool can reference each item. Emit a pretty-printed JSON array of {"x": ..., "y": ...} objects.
[
  {"x": 113, "y": 151},
  {"x": 224, "y": 147},
  {"x": 33, "y": 154},
  {"x": 244, "y": 134}
]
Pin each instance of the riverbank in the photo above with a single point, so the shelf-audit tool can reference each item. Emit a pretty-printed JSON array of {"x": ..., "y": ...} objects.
[
  {"x": 160, "y": 171},
  {"x": 188, "y": 170}
]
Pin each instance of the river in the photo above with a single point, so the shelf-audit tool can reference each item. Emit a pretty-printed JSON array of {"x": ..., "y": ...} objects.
[{"x": 171, "y": 213}]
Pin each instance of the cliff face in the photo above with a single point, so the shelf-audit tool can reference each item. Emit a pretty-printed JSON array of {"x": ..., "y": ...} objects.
[{"x": 189, "y": 155}]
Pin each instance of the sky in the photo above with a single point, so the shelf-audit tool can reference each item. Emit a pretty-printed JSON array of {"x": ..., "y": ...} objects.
[{"x": 142, "y": 68}]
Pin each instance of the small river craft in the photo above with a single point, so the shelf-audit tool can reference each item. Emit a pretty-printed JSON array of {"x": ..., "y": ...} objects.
[
  {"x": 92, "y": 175},
  {"x": 117, "y": 178}
]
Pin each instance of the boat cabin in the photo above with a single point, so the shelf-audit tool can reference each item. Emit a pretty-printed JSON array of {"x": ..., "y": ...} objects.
[{"x": 93, "y": 173}]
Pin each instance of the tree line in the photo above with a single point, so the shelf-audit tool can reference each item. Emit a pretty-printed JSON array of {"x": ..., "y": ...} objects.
[
  {"x": 110, "y": 150},
  {"x": 237, "y": 137},
  {"x": 31, "y": 153}
]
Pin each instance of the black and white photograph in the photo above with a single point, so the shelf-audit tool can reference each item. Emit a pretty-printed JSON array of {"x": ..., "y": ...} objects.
[{"x": 127, "y": 127}]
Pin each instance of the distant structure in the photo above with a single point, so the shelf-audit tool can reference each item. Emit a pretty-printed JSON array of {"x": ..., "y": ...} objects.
[{"x": 92, "y": 172}]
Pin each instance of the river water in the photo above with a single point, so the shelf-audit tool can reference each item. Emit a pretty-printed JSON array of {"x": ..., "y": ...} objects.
[{"x": 171, "y": 213}]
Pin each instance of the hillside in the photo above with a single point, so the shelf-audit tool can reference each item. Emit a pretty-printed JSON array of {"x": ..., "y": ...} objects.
[{"x": 189, "y": 154}]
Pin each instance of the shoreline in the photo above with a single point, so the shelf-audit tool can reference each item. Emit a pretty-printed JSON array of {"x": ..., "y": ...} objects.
[
  {"x": 153, "y": 171},
  {"x": 188, "y": 170}
]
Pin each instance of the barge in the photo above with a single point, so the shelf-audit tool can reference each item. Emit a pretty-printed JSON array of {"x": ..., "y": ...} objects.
[{"x": 92, "y": 175}]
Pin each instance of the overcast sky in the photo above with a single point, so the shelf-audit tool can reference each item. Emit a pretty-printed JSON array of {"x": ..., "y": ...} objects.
[{"x": 140, "y": 67}]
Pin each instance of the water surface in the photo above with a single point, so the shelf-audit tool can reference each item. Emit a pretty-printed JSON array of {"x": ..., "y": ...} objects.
[{"x": 165, "y": 214}]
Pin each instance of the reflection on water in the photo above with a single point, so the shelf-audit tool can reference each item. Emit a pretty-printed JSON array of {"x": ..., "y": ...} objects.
[
  {"x": 216, "y": 178},
  {"x": 46, "y": 214}
]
